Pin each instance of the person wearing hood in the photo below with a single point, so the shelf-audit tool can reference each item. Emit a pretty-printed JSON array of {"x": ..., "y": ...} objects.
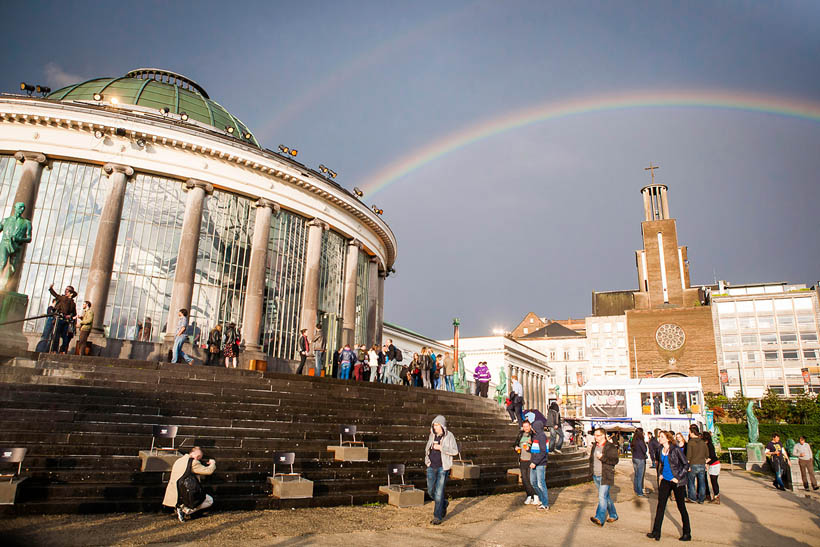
[
  {"x": 532, "y": 415},
  {"x": 538, "y": 464},
  {"x": 554, "y": 424},
  {"x": 438, "y": 457}
]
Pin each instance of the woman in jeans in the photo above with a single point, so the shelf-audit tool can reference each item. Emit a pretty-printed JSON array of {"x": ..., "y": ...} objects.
[
  {"x": 672, "y": 468},
  {"x": 638, "y": 447}
]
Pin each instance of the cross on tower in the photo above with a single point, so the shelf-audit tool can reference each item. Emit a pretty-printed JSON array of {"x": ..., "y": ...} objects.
[{"x": 651, "y": 170}]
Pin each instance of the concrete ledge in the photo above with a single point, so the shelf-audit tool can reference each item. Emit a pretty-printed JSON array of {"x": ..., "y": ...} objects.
[
  {"x": 290, "y": 487},
  {"x": 403, "y": 497},
  {"x": 160, "y": 462},
  {"x": 349, "y": 453}
]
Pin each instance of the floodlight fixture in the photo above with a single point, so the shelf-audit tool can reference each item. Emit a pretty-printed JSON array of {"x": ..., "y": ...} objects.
[
  {"x": 377, "y": 210},
  {"x": 120, "y": 132},
  {"x": 358, "y": 192},
  {"x": 98, "y": 133},
  {"x": 141, "y": 143},
  {"x": 248, "y": 135},
  {"x": 28, "y": 88},
  {"x": 114, "y": 101},
  {"x": 288, "y": 151},
  {"x": 332, "y": 173},
  {"x": 184, "y": 116},
  {"x": 97, "y": 96},
  {"x": 322, "y": 168},
  {"x": 164, "y": 110},
  {"x": 43, "y": 89},
  {"x": 229, "y": 129}
]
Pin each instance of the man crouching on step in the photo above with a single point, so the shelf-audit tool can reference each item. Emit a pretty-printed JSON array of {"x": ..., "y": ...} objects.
[{"x": 184, "y": 492}]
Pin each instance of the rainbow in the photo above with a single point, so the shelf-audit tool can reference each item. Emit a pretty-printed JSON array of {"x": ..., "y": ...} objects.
[{"x": 722, "y": 99}]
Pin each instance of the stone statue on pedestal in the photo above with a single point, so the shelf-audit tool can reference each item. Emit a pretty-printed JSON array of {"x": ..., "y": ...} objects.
[
  {"x": 501, "y": 388},
  {"x": 16, "y": 231}
]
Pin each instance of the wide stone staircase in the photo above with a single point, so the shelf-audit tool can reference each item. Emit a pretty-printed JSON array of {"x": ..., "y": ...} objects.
[{"x": 84, "y": 420}]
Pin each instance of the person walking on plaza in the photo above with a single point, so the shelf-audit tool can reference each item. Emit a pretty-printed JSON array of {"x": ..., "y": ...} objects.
[
  {"x": 554, "y": 425},
  {"x": 482, "y": 378},
  {"x": 229, "y": 349},
  {"x": 639, "y": 450},
  {"x": 681, "y": 442},
  {"x": 214, "y": 345},
  {"x": 189, "y": 463},
  {"x": 672, "y": 466},
  {"x": 522, "y": 447},
  {"x": 652, "y": 447},
  {"x": 696, "y": 454},
  {"x": 318, "y": 343},
  {"x": 538, "y": 464},
  {"x": 712, "y": 469},
  {"x": 86, "y": 320},
  {"x": 774, "y": 451},
  {"x": 802, "y": 451},
  {"x": 66, "y": 310},
  {"x": 347, "y": 358},
  {"x": 602, "y": 461},
  {"x": 180, "y": 337},
  {"x": 304, "y": 350},
  {"x": 438, "y": 457},
  {"x": 516, "y": 400},
  {"x": 449, "y": 371}
]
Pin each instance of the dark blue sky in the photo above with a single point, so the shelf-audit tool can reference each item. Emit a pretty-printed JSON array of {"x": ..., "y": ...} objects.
[{"x": 532, "y": 219}]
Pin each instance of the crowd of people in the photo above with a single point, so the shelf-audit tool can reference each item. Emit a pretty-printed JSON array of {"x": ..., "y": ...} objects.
[{"x": 63, "y": 323}]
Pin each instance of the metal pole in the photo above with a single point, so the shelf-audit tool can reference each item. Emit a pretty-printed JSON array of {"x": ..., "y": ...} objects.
[
  {"x": 740, "y": 377},
  {"x": 456, "y": 323}
]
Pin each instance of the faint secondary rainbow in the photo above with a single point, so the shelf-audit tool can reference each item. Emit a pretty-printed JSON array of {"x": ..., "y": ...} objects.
[{"x": 722, "y": 99}]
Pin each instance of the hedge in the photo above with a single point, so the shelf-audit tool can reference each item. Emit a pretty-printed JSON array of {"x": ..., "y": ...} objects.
[{"x": 737, "y": 435}]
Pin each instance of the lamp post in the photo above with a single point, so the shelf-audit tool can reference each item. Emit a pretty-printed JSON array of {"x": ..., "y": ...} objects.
[
  {"x": 456, "y": 323},
  {"x": 740, "y": 377}
]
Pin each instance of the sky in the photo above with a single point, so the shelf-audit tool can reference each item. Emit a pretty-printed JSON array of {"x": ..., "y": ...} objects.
[{"x": 505, "y": 141}]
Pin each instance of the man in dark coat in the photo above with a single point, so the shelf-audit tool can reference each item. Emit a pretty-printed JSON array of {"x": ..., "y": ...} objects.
[{"x": 602, "y": 461}]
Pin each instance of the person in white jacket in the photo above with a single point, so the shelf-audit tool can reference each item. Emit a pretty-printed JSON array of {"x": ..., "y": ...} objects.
[
  {"x": 171, "y": 494},
  {"x": 438, "y": 457}
]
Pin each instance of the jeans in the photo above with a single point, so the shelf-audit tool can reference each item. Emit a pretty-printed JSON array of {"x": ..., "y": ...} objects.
[
  {"x": 515, "y": 413},
  {"x": 391, "y": 375},
  {"x": 524, "y": 467},
  {"x": 664, "y": 490},
  {"x": 605, "y": 503},
  {"x": 697, "y": 471},
  {"x": 778, "y": 477},
  {"x": 538, "y": 479},
  {"x": 448, "y": 383},
  {"x": 60, "y": 335},
  {"x": 639, "y": 466},
  {"x": 344, "y": 371},
  {"x": 436, "y": 479},
  {"x": 319, "y": 361},
  {"x": 559, "y": 434},
  {"x": 177, "y": 352}
]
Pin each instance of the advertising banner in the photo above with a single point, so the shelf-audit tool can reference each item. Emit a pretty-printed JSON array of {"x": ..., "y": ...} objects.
[
  {"x": 579, "y": 376},
  {"x": 605, "y": 403},
  {"x": 710, "y": 421},
  {"x": 724, "y": 376},
  {"x": 806, "y": 377}
]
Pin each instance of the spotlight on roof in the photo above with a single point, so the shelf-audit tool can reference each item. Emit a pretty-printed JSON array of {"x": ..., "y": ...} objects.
[
  {"x": 358, "y": 192},
  {"x": 26, "y": 87},
  {"x": 332, "y": 173},
  {"x": 288, "y": 151},
  {"x": 322, "y": 168},
  {"x": 43, "y": 89},
  {"x": 229, "y": 129},
  {"x": 164, "y": 110},
  {"x": 247, "y": 135},
  {"x": 377, "y": 210},
  {"x": 141, "y": 143},
  {"x": 98, "y": 133},
  {"x": 120, "y": 132},
  {"x": 115, "y": 101},
  {"x": 97, "y": 96},
  {"x": 184, "y": 116}
]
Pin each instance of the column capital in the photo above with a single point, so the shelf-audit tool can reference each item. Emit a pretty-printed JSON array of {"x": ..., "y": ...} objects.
[
  {"x": 320, "y": 223},
  {"x": 272, "y": 205},
  {"x": 355, "y": 243},
  {"x": 190, "y": 184},
  {"x": 24, "y": 156},
  {"x": 111, "y": 168}
]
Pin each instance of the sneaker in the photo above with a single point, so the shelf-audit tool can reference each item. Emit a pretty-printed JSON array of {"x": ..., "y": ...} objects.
[
  {"x": 435, "y": 522},
  {"x": 535, "y": 501},
  {"x": 528, "y": 500},
  {"x": 180, "y": 514},
  {"x": 544, "y": 507},
  {"x": 815, "y": 487}
]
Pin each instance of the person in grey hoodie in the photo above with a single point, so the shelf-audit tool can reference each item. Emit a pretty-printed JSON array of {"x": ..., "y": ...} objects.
[{"x": 438, "y": 457}]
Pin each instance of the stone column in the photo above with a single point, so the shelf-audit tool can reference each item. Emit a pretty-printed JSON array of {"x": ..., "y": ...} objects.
[
  {"x": 349, "y": 307},
  {"x": 27, "y": 188},
  {"x": 525, "y": 383},
  {"x": 372, "y": 300},
  {"x": 380, "y": 311},
  {"x": 255, "y": 288},
  {"x": 313, "y": 261},
  {"x": 105, "y": 244},
  {"x": 183, "y": 289},
  {"x": 664, "y": 204},
  {"x": 542, "y": 403}
]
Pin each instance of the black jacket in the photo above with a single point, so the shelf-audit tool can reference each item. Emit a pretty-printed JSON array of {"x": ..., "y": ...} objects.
[
  {"x": 712, "y": 454},
  {"x": 639, "y": 449},
  {"x": 609, "y": 459},
  {"x": 654, "y": 448},
  {"x": 553, "y": 416},
  {"x": 391, "y": 352},
  {"x": 539, "y": 458},
  {"x": 677, "y": 462}
]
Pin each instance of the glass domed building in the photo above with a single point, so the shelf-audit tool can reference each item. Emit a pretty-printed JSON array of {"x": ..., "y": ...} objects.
[{"x": 148, "y": 196}]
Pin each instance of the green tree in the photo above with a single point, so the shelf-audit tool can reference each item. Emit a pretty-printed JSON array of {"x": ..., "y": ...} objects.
[
  {"x": 717, "y": 403},
  {"x": 773, "y": 408},
  {"x": 737, "y": 406},
  {"x": 804, "y": 409}
]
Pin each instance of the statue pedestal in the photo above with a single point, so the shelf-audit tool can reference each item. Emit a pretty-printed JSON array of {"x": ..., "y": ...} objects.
[
  {"x": 755, "y": 458},
  {"x": 13, "y": 307}
]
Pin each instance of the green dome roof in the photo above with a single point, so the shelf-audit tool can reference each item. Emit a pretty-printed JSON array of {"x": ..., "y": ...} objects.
[{"x": 155, "y": 88}]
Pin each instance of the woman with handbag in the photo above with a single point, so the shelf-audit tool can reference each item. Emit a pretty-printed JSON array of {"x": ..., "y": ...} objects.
[
  {"x": 231, "y": 345},
  {"x": 712, "y": 469},
  {"x": 214, "y": 345}
]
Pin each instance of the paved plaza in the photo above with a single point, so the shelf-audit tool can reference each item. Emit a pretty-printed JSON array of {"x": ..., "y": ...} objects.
[{"x": 752, "y": 513}]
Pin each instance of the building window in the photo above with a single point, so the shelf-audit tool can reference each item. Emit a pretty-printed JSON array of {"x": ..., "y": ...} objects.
[
  {"x": 803, "y": 304},
  {"x": 809, "y": 338},
  {"x": 362, "y": 288},
  {"x": 620, "y": 326},
  {"x": 777, "y": 389},
  {"x": 749, "y": 339},
  {"x": 763, "y": 306},
  {"x": 728, "y": 324},
  {"x": 770, "y": 356},
  {"x": 747, "y": 323},
  {"x": 608, "y": 343},
  {"x": 332, "y": 273},
  {"x": 745, "y": 306},
  {"x": 580, "y": 354},
  {"x": 810, "y": 354},
  {"x": 783, "y": 305},
  {"x": 730, "y": 341},
  {"x": 552, "y": 355},
  {"x": 526, "y": 330},
  {"x": 532, "y": 320},
  {"x": 731, "y": 358},
  {"x": 594, "y": 343},
  {"x": 790, "y": 356},
  {"x": 725, "y": 308},
  {"x": 805, "y": 322},
  {"x": 752, "y": 357},
  {"x": 768, "y": 339},
  {"x": 785, "y": 321},
  {"x": 566, "y": 355},
  {"x": 765, "y": 322},
  {"x": 594, "y": 327},
  {"x": 789, "y": 339},
  {"x": 607, "y": 327}
]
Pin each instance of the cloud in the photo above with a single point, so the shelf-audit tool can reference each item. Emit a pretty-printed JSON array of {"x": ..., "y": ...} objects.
[{"x": 56, "y": 77}]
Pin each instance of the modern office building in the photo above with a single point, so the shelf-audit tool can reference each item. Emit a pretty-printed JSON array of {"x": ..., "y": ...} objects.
[{"x": 148, "y": 196}]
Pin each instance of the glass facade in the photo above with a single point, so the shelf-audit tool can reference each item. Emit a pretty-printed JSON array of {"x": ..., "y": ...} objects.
[
  {"x": 9, "y": 177},
  {"x": 362, "y": 282},
  {"x": 145, "y": 259},
  {"x": 222, "y": 262},
  {"x": 332, "y": 273},
  {"x": 284, "y": 282}
]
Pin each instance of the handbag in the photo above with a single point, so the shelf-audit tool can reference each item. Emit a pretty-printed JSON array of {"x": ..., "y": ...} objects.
[
  {"x": 714, "y": 469},
  {"x": 189, "y": 490}
]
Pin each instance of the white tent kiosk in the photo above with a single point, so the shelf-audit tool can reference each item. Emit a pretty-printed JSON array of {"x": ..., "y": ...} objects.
[{"x": 670, "y": 403}]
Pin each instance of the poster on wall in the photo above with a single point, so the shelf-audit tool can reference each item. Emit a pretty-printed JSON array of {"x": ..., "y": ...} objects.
[{"x": 605, "y": 403}]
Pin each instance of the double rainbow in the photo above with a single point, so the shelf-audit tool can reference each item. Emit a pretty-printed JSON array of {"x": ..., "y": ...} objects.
[{"x": 719, "y": 99}]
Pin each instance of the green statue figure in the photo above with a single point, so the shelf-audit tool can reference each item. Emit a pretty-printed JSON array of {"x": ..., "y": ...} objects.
[
  {"x": 752, "y": 422},
  {"x": 789, "y": 446},
  {"x": 817, "y": 460},
  {"x": 16, "y": 231},
  {"x": 460, "y": 381},
  {"x": 501, "y": 388}
]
